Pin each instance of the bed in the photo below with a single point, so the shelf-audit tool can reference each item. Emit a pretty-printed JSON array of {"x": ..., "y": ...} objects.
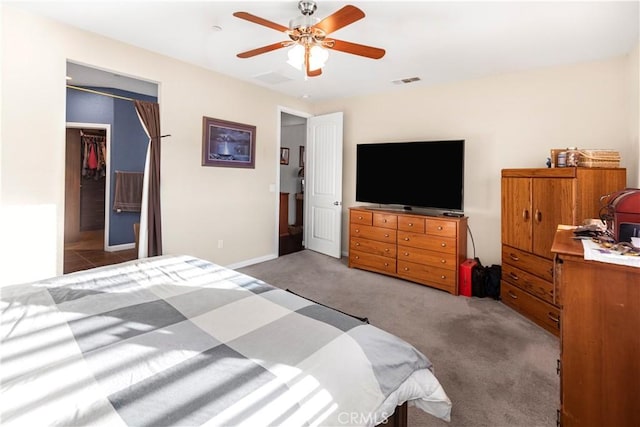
[{"x": 177, "y": 340}]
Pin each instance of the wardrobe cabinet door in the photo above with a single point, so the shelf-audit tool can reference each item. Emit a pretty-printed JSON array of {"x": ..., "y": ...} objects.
[
  {"x": 553, "y": 204},
  {"x": 516, "y": 213}
]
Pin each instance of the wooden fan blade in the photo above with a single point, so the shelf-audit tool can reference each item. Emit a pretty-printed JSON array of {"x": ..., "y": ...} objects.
[
  {"x": 260, "y": 21},
  {"x": 314, "y": 73},
  {"x": 343, "y": 17},
  {"x": 263, "y": 49},
  {"x": 358, "y": 49}
]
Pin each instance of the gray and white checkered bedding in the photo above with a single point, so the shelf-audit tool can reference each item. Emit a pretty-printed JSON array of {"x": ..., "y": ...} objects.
[{"x": 176, "y": 340}]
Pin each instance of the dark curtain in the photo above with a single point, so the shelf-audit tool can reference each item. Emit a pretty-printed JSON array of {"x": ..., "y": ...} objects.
[{"x": 149, "y": 113}]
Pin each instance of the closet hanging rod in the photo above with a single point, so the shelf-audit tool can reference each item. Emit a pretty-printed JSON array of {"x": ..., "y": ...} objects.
[{"x": 97, "y": 92}]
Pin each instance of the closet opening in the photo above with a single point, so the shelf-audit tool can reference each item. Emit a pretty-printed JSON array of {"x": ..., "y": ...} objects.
[{"x": 85, "y": 187}]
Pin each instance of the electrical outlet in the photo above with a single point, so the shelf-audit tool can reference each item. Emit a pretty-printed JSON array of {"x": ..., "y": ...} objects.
[{"x": 220, "y": 244}]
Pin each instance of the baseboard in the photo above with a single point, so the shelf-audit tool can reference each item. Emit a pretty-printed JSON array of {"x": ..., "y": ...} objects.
[
  {"x": 249, "y": 262},
  {"x": 123, "y": 247}
]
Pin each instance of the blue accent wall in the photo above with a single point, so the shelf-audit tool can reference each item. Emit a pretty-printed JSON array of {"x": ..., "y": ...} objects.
[{"x": 128, "y": 144}]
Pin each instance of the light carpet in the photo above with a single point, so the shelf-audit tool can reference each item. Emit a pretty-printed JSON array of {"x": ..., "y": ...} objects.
[{"x": 498, "y": 368}]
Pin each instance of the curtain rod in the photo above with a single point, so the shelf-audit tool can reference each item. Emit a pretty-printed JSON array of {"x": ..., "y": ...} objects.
[
  {"x": 99, "y": 93},
  {"x": 106, "y": 94}
]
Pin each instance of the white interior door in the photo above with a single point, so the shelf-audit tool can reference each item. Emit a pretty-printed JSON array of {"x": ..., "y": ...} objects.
[{"x": 323, "y": 184}]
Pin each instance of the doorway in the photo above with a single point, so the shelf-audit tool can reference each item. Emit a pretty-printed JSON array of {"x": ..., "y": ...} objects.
[
  {"x": 86, "y": 185},
  {"x": 293, "y": 131},
  {"x": 86, "y": 222},
  {"x": 320, "y": 170},
  {"x": 95, "y": 99}
]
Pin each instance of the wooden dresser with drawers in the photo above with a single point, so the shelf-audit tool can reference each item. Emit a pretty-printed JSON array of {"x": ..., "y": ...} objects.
[{"x": 423, "y": 249}]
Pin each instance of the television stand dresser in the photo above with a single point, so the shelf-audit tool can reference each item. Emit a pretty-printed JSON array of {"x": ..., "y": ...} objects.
[{"x": 419, "y": 248}]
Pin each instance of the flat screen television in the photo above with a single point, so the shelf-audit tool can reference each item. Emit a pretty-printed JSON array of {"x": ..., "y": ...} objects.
[{"x": 407, "y": 175}]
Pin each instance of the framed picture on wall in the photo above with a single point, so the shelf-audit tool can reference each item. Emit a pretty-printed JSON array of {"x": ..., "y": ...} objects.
[
  {"x": 228, "y": 144},
  {"x": 284, "y": 156},
  {"x": 301, "y": 162}
]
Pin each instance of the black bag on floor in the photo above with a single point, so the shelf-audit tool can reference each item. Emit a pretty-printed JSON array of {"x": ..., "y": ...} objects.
[
  {"x": 492, "y": 281},
  {"x": 478, "y": 279},
  {"x": 485, "y": 281}
]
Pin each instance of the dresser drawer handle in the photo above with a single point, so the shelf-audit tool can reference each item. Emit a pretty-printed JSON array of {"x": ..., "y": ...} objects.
[
  {"x": 444, "y": 261},
  {"x": 357, "y": 230},
  {"x": 512, "y": 295},
  {"x": 410, "y": 224},
  {"x": 359, "y": 217},
  {"x": 443, "y": 244},
  {"x": 357, "y": 243},
  {"x": 357, "y": 257},
  {"x": 406, "y": 238},
  {"x": 406, "y": 269},
  {"x": 406, "y": 254},
  {"x": 386, "y": 235},
  {"x": 384, "y": 220},
  {"x": 514, "y": 276},
  {"x": 443, "y": 277},
  {"x": 386, "y": 264},
  {"x": 514, "y": 257},
  {"x": 553, "y": 318},
  {"x": 440, "y": 228},
  {"x": 386, "y": 249}
]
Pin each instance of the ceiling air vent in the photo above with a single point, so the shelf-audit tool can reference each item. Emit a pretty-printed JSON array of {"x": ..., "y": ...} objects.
[
  {"x": 406, "y": 81},
  {"x": 272, "y": 78}
]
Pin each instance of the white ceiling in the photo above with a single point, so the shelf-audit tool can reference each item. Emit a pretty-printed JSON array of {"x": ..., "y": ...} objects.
[{"x": 436, "y": 41}]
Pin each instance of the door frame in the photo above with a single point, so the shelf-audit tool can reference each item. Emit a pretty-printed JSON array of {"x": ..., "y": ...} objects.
[
  {"x": 107, "y": 186},
  {"x": 276, "y": 187}
]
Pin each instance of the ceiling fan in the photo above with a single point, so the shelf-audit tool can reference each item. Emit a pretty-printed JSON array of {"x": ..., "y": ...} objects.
[{"x": 308, "y": 37}]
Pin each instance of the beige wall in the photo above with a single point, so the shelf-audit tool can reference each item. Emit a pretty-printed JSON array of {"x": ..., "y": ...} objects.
[
  {"x": 508, "y": 121},
  {"x": 201, "y": 205}
]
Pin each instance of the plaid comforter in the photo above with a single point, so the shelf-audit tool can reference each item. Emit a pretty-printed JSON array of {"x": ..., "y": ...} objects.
[{"x": 176, "y": 340}]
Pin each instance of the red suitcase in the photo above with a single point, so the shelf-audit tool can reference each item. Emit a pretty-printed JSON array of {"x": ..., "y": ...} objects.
[{"x": 464, "y": 287}]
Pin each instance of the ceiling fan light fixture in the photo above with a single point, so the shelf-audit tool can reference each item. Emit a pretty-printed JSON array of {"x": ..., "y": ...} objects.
[
  {"x": 308, "y": 37},
  {"x": 296, "y": 56},
  {"x": 317, "y": 57}
]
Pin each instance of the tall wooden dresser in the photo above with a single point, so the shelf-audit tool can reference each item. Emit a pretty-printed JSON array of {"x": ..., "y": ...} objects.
[
  {"x": 534, "y": 202},
  {"x": 423, "y": 249},
  {"x": 599, "y": 339}
]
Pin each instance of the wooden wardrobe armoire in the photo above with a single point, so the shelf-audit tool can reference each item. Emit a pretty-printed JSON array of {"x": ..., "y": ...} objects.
[{"x": 534, "y": 203}]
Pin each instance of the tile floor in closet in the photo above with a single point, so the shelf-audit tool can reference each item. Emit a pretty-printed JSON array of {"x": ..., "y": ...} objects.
[{"x": 88, "y": 253}]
